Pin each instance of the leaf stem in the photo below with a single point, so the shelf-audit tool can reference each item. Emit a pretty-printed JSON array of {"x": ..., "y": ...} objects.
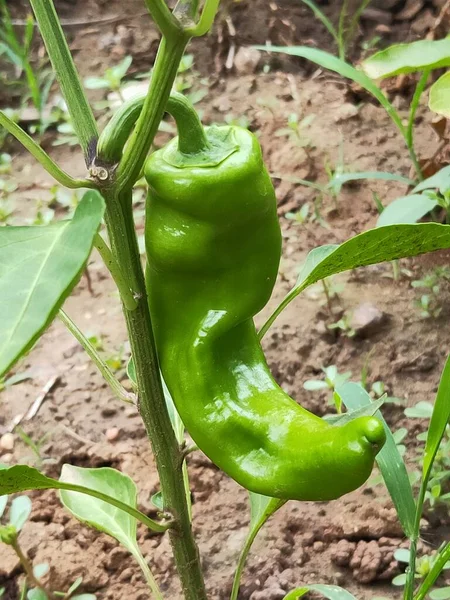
[
  {"x": 168, "y": 25},
  {"x": 118, "y": 390},
  {"x": 67, "y": 74},
  {"x": 42, "y": 157},
  {"x": 151, "y": 582},
  {"x": 28, "y": 568},
  {"x": 436, "y": 570},
  {"x": 116, "y": 273},
  {"x": 409, "y": 136}
]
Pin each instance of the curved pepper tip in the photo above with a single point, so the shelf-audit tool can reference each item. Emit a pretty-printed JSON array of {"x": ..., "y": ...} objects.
[{"x": 374, "y": 433}]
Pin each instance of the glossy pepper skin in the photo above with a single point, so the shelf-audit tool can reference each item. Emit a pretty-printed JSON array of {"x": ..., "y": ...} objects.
[{"x": 213, "y": 250}]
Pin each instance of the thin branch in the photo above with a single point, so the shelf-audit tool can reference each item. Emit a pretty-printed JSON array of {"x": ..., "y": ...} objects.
[
  {"x": 118, "y": 390},
  {"x": 163, "y": 17},
  {"x": 42, "y": 157},
  {"x": 113, "y": 267}
]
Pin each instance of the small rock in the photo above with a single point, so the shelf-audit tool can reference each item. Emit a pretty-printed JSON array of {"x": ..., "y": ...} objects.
[
  {"x": 7, "y": 442},
  {"x": 7, "y": 458},
  {"x": 318, "y": 546},
  {"x": 268, "y": 594},
  {"x": 345, "y": 112},
  {"x": 342, "y": 553},
  {"x": 112, "y": 434},
  {"x": 367, "y": 319},
  {"x": 108, "y": 411},
  {"x": 246, "y": 60}
]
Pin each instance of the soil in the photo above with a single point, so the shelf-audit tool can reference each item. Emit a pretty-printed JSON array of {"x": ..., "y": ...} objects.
[{"x": 351, "y": 541}]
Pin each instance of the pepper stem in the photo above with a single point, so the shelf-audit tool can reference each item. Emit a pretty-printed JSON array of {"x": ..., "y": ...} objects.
[{"x": 191, "y": 134}]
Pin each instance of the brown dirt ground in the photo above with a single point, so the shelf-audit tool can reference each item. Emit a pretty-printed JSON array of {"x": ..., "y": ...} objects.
[{"x": 349, "y": 542}]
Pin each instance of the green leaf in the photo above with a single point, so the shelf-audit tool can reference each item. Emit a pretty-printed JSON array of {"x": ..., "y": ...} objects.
[
  {"x": 440, "y": 593},
  {"x": 408, "y": 58},
  {"x": 422, "y": 410},
  {"x": 21, "y": 478},
  {"x": 364, "y": 411},
  {"x": 158, "y": 501},
  {"x": 407, "y": 209},
  {"x": 332, "y": 592},
  {"x": 261, "y": 508},
  {"x": 438, "y": 423},
  {"x": 19, "y": 512},
  {"x": 328, "y": 61},
  {"x": 36, "y": 594},
  {"x": 314, "y": 385},
  {"x": 440, "y": 181},
  {"x": 85, "y": 597},
  {"x": 96, "y": 83},
  {"x": 399, "y": 579},
  {"x": 39, "y": 266},
  {"x": 41, "y": 570},
  {"x": 402, "y": 555},
  {"x": 97, "y": 513},
  {"x": 101, "y": 515},
  {"x": 374, "y": 246},
  {"x": 75, "y": 585},
  {"x": 339, "y": 179},
  {"x": 388, "y": 459},
  {"x": 439, "y": 101}
]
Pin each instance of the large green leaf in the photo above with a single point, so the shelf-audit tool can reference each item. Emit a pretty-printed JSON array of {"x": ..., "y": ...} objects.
[
  {"x": 374, "y": 246},
  {"x": 439, "y": 101},
  {"x": 407, "y": 209},
  {"x": 407, "y": 58},
  {"x": 21, "y": 478},
  {"x": 97, "y": 513},
  {"x": 332, "y": 592},
  {"x": 39, "y": 266},
  {"x": 389, "y": 459},
  {"x": 102, "y": 515}
]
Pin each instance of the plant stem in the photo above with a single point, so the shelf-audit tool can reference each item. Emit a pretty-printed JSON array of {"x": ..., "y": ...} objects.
[
  {"x": 165, "y": 70},
  {"x": 241, "y": 563},
  {"x": 409, "y": 137},
  {"x": 148, "y": 575},
  {"x": 152, "y": 405},
  {"x": 42, "y": 157},
  {"x": 436, "y": 570},
  {"x": 118, "y": 390},
  {"x": 67, "y": 74},
  {"x": 28, "y": 568},
  {"x": 116, "y": 272},
  {"x": 408, "y": 592}
]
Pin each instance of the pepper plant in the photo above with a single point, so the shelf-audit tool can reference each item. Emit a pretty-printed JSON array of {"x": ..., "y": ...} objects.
[{"x": 213, "y": 246}]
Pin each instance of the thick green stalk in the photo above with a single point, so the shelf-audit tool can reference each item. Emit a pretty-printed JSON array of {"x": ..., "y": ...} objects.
[
  {"x": 165, "y": 70},
  {"x": 152, "y": 405}
]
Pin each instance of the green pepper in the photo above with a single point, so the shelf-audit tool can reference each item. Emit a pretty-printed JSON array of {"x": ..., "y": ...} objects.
[{"x": 213, "y": 245}]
